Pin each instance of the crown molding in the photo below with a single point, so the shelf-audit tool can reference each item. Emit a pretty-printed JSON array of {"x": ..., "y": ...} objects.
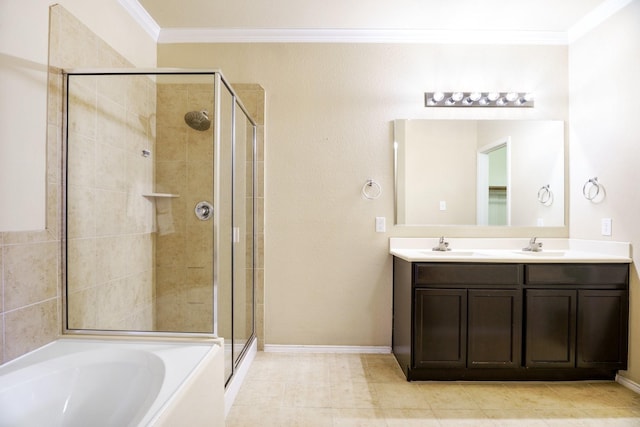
[
  {"x": 279, "y": 35},
  {"x": 142, "y": 17},
  {"x": 594, "y": 18},
  {"x": 358, "y": 35}
]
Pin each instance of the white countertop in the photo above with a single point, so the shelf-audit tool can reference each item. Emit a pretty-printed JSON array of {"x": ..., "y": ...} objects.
[{"x": 510, "y": 250}]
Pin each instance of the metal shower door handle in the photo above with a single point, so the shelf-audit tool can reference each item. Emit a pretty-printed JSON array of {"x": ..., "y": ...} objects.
[{"x": 204, "y": 210}]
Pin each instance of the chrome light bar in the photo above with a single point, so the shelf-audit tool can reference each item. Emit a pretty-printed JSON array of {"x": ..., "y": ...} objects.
[{"x": 478, "y": 99}]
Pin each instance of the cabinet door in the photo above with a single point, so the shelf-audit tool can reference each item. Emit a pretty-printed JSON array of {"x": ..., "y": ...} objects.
[
  {"x": 550, "y": 329},
  {"x": 440, "y": 328},
  {"x": 494, "y": 328},
  {"x": 602, "y": 329}
]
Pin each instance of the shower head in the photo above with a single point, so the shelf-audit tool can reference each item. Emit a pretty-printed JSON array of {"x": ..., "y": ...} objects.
[{"x": 198, "y": 120}]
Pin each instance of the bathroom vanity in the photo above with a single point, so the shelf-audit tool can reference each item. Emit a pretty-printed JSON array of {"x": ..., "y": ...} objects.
[{"x": 504, "y": 314}]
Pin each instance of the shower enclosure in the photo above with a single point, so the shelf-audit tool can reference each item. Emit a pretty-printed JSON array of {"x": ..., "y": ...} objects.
[{"x": 159, "y": 228}]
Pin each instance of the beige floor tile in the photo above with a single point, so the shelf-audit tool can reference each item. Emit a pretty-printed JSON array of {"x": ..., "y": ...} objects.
[
  {"x": 627, "y": 417},
  {"x": 260, "y": 393},
  {"x": 616, "y": 394},
  {"x": 401, "y": 396},
  {"x": 569, "y": 417},
  {"x": 354, "y": 394},
  {"x": 595, "y": 395},
  {"x": 463, "y": 418},
  {"x": 352, "y": 367},
  {"x": 447, "y": 395},
  {"x": 491, "y": 396},
  {"x": 410, "y": 418},
  {"x": 252, "y": 416},
  {"x": 305, "y": 417},
  {"x": 537, "y": 395},
  {"x": 358, "y": 418},
  {"x": 346, "y": 390},
  {"x": 516, "y": 417},
  {"x": 307, "y": 395},
  {"x": 382, "y": 369}
]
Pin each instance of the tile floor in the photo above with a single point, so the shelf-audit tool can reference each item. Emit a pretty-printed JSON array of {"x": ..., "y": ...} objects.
[{"x": 345, "y": 390}]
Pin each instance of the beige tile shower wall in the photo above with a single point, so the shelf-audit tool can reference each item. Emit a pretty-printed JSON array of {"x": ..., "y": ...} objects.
[
  {"x": 253, "y": 99},
  {"x": 184, "y": 167},
  {"x": 110, "y": 223}
]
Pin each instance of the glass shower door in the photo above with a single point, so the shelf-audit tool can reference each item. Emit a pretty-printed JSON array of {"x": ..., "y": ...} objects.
[{"x": 244, "y": 233}]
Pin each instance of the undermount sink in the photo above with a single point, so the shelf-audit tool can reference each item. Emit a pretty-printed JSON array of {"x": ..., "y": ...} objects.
[
  {"x": 452, "y": 253},
  {"x": 542, "y": 253}
]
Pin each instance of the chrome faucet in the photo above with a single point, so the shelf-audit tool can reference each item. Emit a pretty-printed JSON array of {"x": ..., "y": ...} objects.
[
  {"x": 442, "y": 245},
  {"x": 533, "y": 246}
]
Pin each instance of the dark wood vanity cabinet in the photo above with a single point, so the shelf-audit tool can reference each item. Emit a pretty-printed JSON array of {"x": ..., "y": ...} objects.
[
  {"x": 577, "y": 315},
  {"x": 461, "y": 328},
  {"x": 510, "y": 321}
]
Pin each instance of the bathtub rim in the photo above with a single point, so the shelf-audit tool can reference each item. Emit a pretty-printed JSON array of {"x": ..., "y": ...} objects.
[{"x": 158, "y": 410}]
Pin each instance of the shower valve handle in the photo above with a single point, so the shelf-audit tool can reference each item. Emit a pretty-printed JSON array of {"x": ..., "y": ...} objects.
[{"x": 203, "y": 210}]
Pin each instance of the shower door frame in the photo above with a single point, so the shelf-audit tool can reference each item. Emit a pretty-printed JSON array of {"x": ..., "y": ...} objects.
[{"x": 219, "y": 82}]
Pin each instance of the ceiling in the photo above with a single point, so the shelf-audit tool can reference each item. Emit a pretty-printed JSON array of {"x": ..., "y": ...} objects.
[{"x": 555, "y": 17}]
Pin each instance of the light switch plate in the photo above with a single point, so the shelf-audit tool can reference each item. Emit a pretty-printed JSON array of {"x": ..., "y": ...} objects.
[
  {"x": 381, "y": 225},
  {"x": 606, "y": 226}
]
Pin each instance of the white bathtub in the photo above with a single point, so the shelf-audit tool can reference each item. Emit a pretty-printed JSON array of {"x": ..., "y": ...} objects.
[{"x": 91, "y": 382}]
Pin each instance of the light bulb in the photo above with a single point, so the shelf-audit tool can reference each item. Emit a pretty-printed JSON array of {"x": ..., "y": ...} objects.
[
  {"x": 493, "y": 96},
  {"x": 512, "y": 96},
  {"x": 457, "y": 96},
  {"x": 475, "y": 96},
  {"x": 438, "y": 96}
]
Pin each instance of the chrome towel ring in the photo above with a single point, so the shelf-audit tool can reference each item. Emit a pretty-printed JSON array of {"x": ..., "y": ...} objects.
[
  {"x": 591, "y": 189},
  {"x": 371, "y": 190},
  {"x": 545, "y": 195}
]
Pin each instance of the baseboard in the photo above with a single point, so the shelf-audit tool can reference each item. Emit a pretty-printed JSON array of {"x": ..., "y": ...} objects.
[
  {"x": 283, "y": 348},
  {"x": 626, "y": 382},
  {"x": 233, "y": 387}
]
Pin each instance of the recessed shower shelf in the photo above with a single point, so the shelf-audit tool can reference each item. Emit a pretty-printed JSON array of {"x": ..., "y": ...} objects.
[{"x": 161, "y": 195}]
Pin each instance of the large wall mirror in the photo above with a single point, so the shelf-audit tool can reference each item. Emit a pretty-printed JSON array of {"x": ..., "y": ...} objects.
[{"x": 480, "y": 172}]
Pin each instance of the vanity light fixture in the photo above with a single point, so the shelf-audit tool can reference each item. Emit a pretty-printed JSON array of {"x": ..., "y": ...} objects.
[{"x": 478, "y": 99}]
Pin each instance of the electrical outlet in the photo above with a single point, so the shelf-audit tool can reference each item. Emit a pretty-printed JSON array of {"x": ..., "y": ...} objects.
[
  {"x": 443, "y": 205},
  {"x": 605, "y": 226},
  {"x": 381, "y": 225}
]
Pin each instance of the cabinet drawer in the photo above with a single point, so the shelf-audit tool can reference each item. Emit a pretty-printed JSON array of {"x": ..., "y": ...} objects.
[
  {"x": 576, "y": 274},
  {"x": 467, "y": 274}
]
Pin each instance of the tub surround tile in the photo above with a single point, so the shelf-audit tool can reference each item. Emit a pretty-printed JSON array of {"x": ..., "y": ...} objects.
[
  {"x": 30, "y": 327},
  {"x": 30, "y": 274},
  {"x": 1, "y": 280},
  {"x": 1, "y": 338},
  {"x": 81, "y": 263}
]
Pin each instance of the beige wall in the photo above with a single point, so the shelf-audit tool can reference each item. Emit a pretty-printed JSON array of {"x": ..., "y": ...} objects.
[
  {"x": 29, "y": 261},
  {"x": 329, "y": 128},
  {"x": 605, "y": 141},
  {"x": 24, "y": 30}
]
